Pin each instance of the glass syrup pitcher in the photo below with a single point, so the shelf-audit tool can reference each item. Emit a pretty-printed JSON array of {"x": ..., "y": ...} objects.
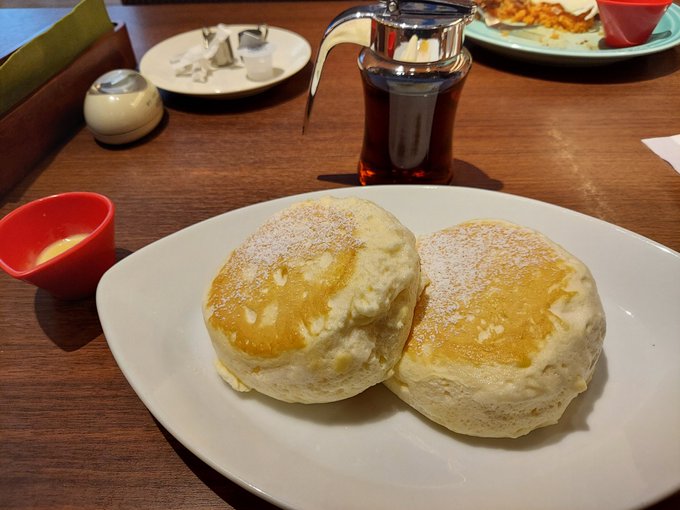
[{"x": 413, "y": 66}]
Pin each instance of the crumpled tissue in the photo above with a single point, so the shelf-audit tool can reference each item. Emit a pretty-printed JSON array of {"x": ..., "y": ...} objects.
[
  {"x": 667, "y": 148},
  {"x": 199, "y": 61}
]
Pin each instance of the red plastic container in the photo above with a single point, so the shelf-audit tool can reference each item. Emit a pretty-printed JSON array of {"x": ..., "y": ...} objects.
[
  {"x": 630, "y": 22},
  {"x": 74, "y": 273}
]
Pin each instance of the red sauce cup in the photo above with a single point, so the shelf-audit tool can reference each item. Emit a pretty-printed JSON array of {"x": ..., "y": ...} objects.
[
  {"x": 74, "y": 273},
  {"x": 630, "y": 22}
]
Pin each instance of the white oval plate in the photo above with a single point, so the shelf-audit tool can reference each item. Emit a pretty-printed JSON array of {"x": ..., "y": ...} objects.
[
  {"x": 291, "y": 54},
  {"x": 617, "y": 446},
  {"x": 537, "y": 44}
]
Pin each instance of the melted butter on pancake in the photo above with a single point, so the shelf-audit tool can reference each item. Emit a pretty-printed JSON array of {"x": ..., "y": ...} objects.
[
  {"x": 280, "y": 280},
  {"x": 493, "y": 286}
]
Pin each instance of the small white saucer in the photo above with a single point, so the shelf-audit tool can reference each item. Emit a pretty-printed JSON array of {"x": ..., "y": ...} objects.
[{"x": 291, "y": 55}]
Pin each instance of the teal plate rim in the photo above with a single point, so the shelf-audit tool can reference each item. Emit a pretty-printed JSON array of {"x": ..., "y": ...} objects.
[{"x": 666, "y": 35}]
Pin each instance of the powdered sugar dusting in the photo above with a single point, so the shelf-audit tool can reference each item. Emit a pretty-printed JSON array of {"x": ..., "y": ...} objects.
[
  {"x": 465, "y": 260},
  {"x": 293, "y": 235}
]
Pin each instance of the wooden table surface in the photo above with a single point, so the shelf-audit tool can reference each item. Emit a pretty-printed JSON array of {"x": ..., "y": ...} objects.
[{"x": 73, "y": 434}]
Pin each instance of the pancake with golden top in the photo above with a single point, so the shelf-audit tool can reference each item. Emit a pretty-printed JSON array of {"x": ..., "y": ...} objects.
[
  {"x": 506, "y": 334},
  {"x": 317, "y": 304}
]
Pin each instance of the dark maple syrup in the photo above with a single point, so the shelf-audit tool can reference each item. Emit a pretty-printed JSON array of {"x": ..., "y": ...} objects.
[{"x": 408, "y": 130}]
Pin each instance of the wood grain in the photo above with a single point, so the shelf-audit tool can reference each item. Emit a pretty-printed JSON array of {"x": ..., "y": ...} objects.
[{"x": 73, "y": 434}]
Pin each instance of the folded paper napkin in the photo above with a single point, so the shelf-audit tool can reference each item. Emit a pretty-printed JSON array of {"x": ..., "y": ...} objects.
[
  {"x": 199, "y": 61},
  {"x": 37, "y": 61},
  {"x": 667, "y": 148}
]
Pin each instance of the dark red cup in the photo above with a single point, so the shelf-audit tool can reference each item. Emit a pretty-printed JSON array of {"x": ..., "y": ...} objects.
[
  {"x": 74, "y": 273},
  {"x": 630, "y": 22}
]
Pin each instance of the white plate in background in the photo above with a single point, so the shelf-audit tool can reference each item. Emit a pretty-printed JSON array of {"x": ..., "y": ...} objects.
[{"x": 291, "y": 54}]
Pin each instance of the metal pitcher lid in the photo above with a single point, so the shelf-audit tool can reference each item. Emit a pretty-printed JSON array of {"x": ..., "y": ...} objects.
[{"x": 420, "y": 31}]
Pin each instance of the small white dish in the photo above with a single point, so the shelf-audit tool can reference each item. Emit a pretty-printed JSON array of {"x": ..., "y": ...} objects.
[
  {"x": 616, "y": 447},
  {"x": 537, "y": 44},
  {"x": 291, "y": 55}
]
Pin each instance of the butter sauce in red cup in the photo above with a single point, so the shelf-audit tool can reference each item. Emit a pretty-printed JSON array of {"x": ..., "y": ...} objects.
[
  {"x": 630, "y": 22},
  {"x": 62, "y": 243}
]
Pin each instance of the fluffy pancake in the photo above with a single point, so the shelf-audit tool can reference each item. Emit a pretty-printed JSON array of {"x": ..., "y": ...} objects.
[
  {"x": 506, "y": 334},
  {"x": 317, "y": 304}
]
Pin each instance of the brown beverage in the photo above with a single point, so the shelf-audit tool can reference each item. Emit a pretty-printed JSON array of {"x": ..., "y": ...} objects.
[{"x": 408, "y": 130}]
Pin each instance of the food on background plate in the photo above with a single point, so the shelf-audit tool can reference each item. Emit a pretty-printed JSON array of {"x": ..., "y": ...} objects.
[
  {"x": 316, "y": 305},
  {"x": 575, "y": 16},
  {"x": 506, "y": 334}
]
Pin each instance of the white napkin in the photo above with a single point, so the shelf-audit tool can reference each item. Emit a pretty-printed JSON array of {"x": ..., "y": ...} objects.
[
  {"x": 667, "y": 148},
  {"x": 197, "y": 60}
]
